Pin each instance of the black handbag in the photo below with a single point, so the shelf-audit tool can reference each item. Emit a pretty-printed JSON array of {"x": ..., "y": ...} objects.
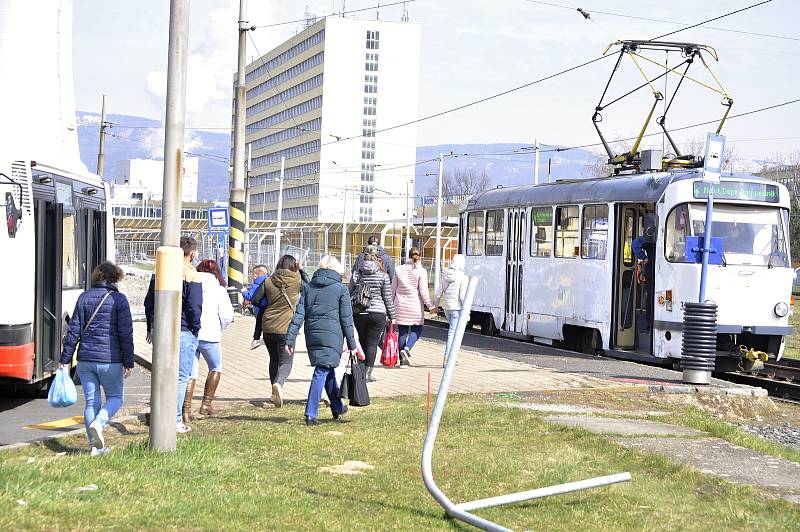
[
  {"x": 358, "y": 392},
  {"x": 344, "y": 387}
]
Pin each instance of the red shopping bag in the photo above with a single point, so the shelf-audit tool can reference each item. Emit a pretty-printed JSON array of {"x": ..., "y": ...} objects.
[{"x": 389, "y": 355}]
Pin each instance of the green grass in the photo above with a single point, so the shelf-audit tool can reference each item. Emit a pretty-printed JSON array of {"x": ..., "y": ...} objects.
[
  {"x": 260, "y": 469},
  {"x": 792, "y": 349}
]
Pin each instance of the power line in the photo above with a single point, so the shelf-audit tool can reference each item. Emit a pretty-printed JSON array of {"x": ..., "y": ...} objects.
[
  {"x": 335, "y": 14},
  {"x": 612, "y": 14},
  {"x": 712, "y": 19}
]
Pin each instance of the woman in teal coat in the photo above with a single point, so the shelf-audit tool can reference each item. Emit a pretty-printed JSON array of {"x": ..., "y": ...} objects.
[{"x": 326, "y": 309}]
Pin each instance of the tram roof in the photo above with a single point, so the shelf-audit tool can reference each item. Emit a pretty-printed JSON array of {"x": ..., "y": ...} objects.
[{"x": 645, "y": 188}]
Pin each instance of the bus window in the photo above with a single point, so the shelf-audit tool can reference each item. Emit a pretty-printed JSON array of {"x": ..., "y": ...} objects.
[
  {"x": 69, "y": 259},
  {"x": 541, "y": 231},
  {"x": 494, "y": 233},
  {"x": 594, "y": 232},
  {"x": 567, "y": 231},
  {"x": 475, "y": 233}
]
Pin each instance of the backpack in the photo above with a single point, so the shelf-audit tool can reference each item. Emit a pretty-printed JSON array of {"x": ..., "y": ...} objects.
[{"x": 360, "y": 296}]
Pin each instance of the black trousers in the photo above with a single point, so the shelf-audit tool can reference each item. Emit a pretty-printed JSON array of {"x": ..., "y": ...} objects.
[
  {"x": 280, "y": 362},
  {"x": 259, "y": 317},
  {"x": 370, "y": 327}
]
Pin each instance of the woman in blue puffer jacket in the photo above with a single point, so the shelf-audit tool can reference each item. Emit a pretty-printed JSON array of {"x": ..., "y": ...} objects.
[
  {"x": 328, "y": 314},
  {"x": 102, "y": 324}
]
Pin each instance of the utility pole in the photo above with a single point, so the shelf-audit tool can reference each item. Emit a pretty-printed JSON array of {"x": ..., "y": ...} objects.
[
  {"x": 169, "y": 256},
  {"x": 409, "y": 208},
  {"x": 536, "y": 163},
  {"x": 344, "y": 224},
  {"x": 280, "y": 213},
  {"x": 101, "y": 154},
  {"x": 438, "y": 258},
  {"x": 238, "y": 194}
]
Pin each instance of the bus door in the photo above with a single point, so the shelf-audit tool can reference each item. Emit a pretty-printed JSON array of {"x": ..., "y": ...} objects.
[
  {"x": 47, "y": 315},
  {"x": 626, "y": 290},
  {"x": 515, "y": 254}
]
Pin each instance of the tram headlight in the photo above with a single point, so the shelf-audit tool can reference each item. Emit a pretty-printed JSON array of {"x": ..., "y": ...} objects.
[{"x": 781, "y": 309}]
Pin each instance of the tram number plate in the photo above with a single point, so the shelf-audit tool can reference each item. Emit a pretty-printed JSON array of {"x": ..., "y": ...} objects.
[{"x": 738, "y": 190}]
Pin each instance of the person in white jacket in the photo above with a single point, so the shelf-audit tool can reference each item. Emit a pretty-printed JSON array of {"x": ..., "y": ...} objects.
[
  {"x": 217, "y": 315},
  {"x": 450, "y": 296}
]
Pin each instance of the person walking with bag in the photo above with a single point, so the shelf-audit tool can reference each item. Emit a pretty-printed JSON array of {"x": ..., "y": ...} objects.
[
  {"x": 101, "y": 328},
  {"x": 371, "y": 322},
  {"x": 328, "y": 315},
  {"x": 217, "y": 316},
  {"x": 450, "y": 295},
  {"x": 282, "y": 290},
  {"x": 411, "y": 299},
  {"x": 259, "y": 275}
]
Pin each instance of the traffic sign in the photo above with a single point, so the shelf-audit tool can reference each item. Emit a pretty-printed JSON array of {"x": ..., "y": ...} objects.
[
  {"x": 712, "y": 163},
  {"x": 218, "y": 218}
]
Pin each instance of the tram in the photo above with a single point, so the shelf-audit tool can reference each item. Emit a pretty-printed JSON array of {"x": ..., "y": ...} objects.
[
  {"x": 557, "y": 266},
  {"x": 56, "y": 231}
]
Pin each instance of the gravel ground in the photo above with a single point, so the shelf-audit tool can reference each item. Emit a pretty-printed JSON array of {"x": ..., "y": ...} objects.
[
  {"x": 783, "y": 434},
  {"x": 134, "y": 286}
]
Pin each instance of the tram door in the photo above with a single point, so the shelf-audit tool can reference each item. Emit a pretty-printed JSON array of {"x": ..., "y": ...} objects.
[
  {"x": 627, "y": 288},
  {"x": 515, "y": 256}
]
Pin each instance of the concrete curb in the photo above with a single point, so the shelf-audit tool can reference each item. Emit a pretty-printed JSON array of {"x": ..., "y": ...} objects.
[{"x": 146, "y": 364}]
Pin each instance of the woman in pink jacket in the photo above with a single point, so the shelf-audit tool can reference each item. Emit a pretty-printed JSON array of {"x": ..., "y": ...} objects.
[{"x": 411, "y": 299}]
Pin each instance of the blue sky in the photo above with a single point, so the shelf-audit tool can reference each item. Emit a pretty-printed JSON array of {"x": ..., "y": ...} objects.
[{"x": 471, "y": 49}]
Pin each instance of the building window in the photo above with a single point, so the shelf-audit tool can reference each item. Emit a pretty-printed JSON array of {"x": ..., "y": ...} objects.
[
  {"x": 567, "y": 231},
  {"x": 286, "y": 75},
  {"x": 299, "y": 48},
  {"x": 541, "y": 231},
  {"x": 494, "y": 233},
  {"x": 594, "y": 232},
  {"x": 475, "y": 233}
]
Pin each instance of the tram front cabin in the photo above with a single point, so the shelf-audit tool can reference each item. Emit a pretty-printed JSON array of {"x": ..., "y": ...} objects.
[{"x": 556, "y": 262}]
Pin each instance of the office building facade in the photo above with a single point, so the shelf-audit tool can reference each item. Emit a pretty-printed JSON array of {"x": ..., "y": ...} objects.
[{"x": 319, "y": 100}]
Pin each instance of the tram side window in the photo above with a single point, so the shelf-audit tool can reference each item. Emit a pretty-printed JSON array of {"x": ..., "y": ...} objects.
[
  {"x": 594, "y": 232},
  {"x": 541, "y": 231},
  {"x": 494, "y": 233},
  {"x": 677, "y": 229},
  {"x": 475, "y": 233},
  {"x": 567, "y": 231}
]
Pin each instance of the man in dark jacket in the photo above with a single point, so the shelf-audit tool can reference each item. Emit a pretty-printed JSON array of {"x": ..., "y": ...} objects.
[
  {"x": 387, "y": 261},
  {"x": 191, "y": 310},
  {"x": 325, "y": 307}
]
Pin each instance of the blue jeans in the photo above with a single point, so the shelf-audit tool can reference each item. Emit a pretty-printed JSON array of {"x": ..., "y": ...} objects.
[
  {"x": 109, "y": 377},
  {"x": 188, "y": 348},
  {"x": 323, "y": 378},
  {"x": 212, "y": 353},
  {"x": 408, "y": 336},
  {"x": 452, "y": 318}
]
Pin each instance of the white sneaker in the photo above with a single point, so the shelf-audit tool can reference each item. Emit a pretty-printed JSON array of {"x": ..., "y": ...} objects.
[
  {"x": 98, "y": 452},
  {"x": 96, "y": 434},
  {"x": 255, "y": 343},
  {"x": 277, "y": 395},
  {"x": 405, "y": 358},
  {"x": 182, "y": 428}
]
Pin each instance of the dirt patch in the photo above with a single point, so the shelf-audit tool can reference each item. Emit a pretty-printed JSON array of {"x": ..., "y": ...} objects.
[{"x": 351, "y": 467}]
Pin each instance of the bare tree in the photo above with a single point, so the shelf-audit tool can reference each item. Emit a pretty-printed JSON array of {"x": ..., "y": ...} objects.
[
  {"x": 597, "y": 165},
  {"x": 462, "y": 182}
]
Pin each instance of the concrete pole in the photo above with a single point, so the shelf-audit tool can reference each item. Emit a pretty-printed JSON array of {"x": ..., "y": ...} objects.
[
  {"x": 438, "y": 258},
  {"x": 344, "y": 225},
  {"x": 169, "y": 256},
  {"x": 238, "y": 193},
  {"x": 101, "y": 154},
  {"x": 280, "y": 213},
  {"x": 536, "y": 164}
]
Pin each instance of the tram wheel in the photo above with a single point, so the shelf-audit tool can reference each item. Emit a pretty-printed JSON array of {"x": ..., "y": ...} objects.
[{"x": 487, "y": 325}]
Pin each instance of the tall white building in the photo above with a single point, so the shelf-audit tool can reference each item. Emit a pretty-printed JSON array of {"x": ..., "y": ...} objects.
[
  {"x": 318, "y": 100},
  {"x": 139, "y": 179}
]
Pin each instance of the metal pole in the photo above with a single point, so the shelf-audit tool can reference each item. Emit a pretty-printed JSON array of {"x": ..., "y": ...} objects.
[
  {"x": 536, "y": 164},
  {"x": 169, "y": 256},
  {"x": 706, "y": 243},
  {"x": 280, "y": 213},
  {"x": 344, "y": 224},
  {"x": 408, "y": 219},
  {"x": 101, "y": 154},
  {"x": 438, "y": 265},
  {"x": 461, "y": 511},
  {"x": 237, "y": 201}
]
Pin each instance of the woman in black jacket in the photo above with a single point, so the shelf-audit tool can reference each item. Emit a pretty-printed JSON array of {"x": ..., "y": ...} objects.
[{"x": 102, "y": 324}]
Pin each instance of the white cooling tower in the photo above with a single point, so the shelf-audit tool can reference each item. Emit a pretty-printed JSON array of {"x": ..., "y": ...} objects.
[{"x": 37, "y": 99}]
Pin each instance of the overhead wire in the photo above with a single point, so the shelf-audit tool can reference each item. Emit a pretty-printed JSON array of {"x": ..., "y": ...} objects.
[
  {"x": 711, "y": 20},
  {"x": 334, "y": 14}
]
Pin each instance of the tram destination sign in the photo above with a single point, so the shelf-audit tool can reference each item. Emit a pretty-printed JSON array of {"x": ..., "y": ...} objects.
[{"x": 738, "y": 190}]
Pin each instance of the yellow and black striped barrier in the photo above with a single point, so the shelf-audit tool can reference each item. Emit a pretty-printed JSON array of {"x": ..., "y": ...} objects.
[{"x": 235, "y": 246}]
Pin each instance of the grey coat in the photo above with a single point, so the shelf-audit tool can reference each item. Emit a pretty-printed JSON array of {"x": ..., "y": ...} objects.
[{"x": 380, "y": 288}]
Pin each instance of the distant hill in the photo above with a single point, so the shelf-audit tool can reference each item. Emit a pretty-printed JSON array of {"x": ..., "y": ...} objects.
[{"x": 507, "y": 164}]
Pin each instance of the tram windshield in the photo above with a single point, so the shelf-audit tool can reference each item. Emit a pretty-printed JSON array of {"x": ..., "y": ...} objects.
[{"x": 753, "y": 236}]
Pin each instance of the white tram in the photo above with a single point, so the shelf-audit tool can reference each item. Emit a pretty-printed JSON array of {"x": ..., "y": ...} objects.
[{"x": 556, "y": 263}]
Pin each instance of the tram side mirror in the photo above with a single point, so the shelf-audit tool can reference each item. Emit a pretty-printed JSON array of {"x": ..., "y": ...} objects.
[{"x": 693, "y": 251}]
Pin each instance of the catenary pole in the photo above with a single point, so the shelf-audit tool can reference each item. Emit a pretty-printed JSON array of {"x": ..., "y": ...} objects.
[
  {"x": 438, "y": 258},
  {"x": 536, "y": 163},
  {"x": 344, "y": 223},
  {"x": 237, "y": 199},
  {"x": 101, "y": 153},
  {"x": 169, "y": 256},
  {"x": 280, "y": 212},
  {"x": 408, "y": 217}
]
